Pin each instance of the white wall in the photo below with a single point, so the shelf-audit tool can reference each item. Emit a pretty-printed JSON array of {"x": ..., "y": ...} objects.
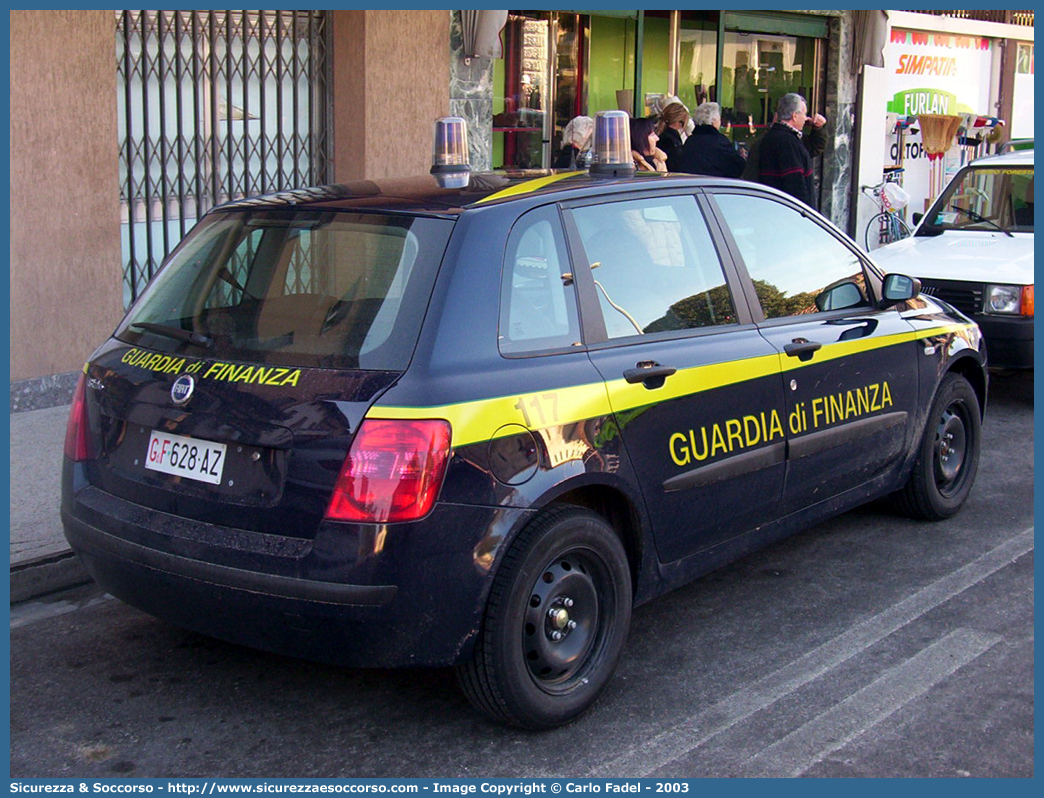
[
  {"x": 1022, "y": 103},
  {"x": 872, "y": 99}
]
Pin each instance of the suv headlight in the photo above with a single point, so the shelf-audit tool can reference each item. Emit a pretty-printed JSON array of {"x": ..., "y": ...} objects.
[{"x": 1016, "y": 300}]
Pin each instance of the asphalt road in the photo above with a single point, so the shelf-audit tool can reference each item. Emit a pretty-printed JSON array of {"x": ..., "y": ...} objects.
[{"x": 870, "y": 645}]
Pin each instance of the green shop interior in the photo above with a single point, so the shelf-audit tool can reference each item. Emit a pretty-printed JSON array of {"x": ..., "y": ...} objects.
[{"x": 557, "y": 65}]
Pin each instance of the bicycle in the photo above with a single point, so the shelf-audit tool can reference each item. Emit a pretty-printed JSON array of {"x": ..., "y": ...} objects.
[{"x": 886, "y": 226}]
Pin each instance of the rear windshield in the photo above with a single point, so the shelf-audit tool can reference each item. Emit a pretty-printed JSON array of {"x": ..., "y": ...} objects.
[
  {"x": 985, "y": 198},
  {"x": 304, "y": 288}
]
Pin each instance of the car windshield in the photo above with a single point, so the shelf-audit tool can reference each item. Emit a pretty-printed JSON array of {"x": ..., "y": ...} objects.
[
  {"x": 307, "y": 288},
  {"x": 985, "y": 198}
]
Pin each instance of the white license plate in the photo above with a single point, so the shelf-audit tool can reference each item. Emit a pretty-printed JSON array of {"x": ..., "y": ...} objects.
[{"x": 185, "y": 457}]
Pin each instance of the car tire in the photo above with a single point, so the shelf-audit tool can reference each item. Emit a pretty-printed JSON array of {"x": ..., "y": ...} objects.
[
  {"x": 555, "y": 622},
  {"x": 948, "y": 455}
]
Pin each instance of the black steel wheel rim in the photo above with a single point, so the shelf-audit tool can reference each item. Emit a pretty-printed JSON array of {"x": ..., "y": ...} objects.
[
  {"x": 567, "y": 619},
  {"x": 951, "y": 448}
]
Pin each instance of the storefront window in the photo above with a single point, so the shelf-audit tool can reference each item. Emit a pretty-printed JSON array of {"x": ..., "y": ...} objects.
[
  {"x": 558, "y": 65},
  {"x": 568, "y": 79},
  {"x": 538, "y": 87},
  {"x": 611, "y": 64},
  {"x": 522, "y": 94},
  {"x": 697, "y": 58},
  {"x": 656, "y": 58},
  {"x": 757, "y": 70}
]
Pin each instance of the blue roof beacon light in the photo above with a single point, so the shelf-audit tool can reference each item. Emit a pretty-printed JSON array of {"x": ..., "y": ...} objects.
[
  {"x": 449, "y": 160},
  {"x": 612, "y": 145}
]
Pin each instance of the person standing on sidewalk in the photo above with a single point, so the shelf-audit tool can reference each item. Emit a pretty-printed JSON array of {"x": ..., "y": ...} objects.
[
  {"x": 786, "y": 152},
  {"x": 708, "y": 151},
  {"x": 671, "y": 128}
]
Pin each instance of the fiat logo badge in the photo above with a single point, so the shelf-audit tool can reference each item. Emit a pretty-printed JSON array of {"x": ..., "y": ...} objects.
[{"x": 181, "y": 390}]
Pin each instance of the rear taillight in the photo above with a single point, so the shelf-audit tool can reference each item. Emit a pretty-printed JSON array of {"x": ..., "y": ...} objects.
[
  {"x": 393, "y": 471},
  {"x": 76, "y": 430}
]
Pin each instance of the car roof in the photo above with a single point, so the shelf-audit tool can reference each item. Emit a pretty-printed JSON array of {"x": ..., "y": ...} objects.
[
  {"x": 423, "y": 195},
  {"x": 1014, "y": 158}
]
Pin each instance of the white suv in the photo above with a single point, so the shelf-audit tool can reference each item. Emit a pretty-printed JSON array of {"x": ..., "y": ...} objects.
[{"x": 974, "y": 249}]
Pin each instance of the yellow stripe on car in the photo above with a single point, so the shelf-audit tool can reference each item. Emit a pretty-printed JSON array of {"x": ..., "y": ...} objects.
[
  {"x": 489, "y": 418},
  {"x": 483, "y": 419},
  {"x": 529, "y": 185},
  {"x": 685, "y": 382}
]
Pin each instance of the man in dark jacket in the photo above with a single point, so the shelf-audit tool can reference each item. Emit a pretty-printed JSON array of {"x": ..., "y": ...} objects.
[
  {"x": 707, "y": 151},
  {"x": 785, "y": 153}
]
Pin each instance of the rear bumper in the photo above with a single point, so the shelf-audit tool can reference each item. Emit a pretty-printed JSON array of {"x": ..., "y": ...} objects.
[
  {"x": 1009, "y": 340},
  {"x": 357, "y": 595},
  {"x": 95, "y": 543}
]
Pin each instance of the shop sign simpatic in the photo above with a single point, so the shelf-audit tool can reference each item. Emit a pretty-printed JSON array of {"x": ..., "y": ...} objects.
[
  {"x": 937, "y": 73},
  {"x": 931, "y": 73}
]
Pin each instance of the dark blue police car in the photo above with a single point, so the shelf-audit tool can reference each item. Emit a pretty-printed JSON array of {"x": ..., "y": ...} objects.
[{"x": 474, "y": 419}]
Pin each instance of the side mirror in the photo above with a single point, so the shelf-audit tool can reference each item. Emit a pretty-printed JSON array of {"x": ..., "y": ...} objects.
[
  {"x": 844, "y": 295},
  {"x": 899, "y": 288},
  {"x": 917, "y": 218}
]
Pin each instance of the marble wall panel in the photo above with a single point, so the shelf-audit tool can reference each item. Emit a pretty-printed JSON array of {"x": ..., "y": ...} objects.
[
  {"x": 841, "y": 87},
  {"x": 471, "y": 96}
]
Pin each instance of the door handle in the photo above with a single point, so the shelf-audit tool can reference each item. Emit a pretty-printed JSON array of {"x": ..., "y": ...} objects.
[
  {"x": 855, "y": 328},
  {"x": 650, "y": 373},
  {"x": 802, "y": 348}
]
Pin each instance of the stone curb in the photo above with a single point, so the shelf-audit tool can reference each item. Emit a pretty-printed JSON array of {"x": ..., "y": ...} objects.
[{"x": 43, "y": 575}]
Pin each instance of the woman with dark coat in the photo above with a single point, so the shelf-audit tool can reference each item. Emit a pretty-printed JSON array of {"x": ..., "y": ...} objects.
[
  {"x": 671, "y": 129},
  {"x": 707, "y": 151}
]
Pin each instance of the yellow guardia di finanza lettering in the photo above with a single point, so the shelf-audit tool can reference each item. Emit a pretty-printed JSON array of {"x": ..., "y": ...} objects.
[
  {"x": 748, "y": 431},
  {"x": 225, "y": 372}
]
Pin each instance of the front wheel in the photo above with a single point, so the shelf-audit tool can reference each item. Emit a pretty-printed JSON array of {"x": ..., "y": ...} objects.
[
  {"x": 885, "y": 228},
  {"x": 555, "y": 623},
  {"x": 948, "y": 456}
]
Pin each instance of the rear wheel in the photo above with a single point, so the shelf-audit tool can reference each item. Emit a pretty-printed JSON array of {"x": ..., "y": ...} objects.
[
  {"x": 948, "y": 457},
  {"x": 555, "y": 624}
]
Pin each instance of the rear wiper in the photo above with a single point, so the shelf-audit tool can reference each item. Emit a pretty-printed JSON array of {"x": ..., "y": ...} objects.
[{"x": 198, "y": 339}]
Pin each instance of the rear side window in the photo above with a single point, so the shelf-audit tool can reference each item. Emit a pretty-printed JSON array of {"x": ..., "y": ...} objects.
[
  {"x": 655, "y": 266},
  {"x": 538, "y": 302},
  {"x": 308, "y": 288},
  {"x": 797, "y": 266}
]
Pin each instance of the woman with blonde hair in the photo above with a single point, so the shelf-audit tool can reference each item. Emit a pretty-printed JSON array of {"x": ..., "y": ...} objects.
[{"x": 671, "y": 129}]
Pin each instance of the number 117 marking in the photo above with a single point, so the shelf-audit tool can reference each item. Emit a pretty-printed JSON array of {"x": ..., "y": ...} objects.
[{"x": 542, "y": 408}]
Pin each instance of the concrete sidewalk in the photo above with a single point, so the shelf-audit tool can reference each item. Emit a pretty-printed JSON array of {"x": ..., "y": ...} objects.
[{"x": 41, "y": 560}]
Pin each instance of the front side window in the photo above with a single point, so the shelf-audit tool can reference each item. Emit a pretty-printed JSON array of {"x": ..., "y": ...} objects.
[
  {"x": 538, "y": 307},
  {"x": 655, "y": 266},
  {"x": 985, "y": 199},
  {"x": 297, "y": 287},
  {"x": 797, "y": 267}
]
